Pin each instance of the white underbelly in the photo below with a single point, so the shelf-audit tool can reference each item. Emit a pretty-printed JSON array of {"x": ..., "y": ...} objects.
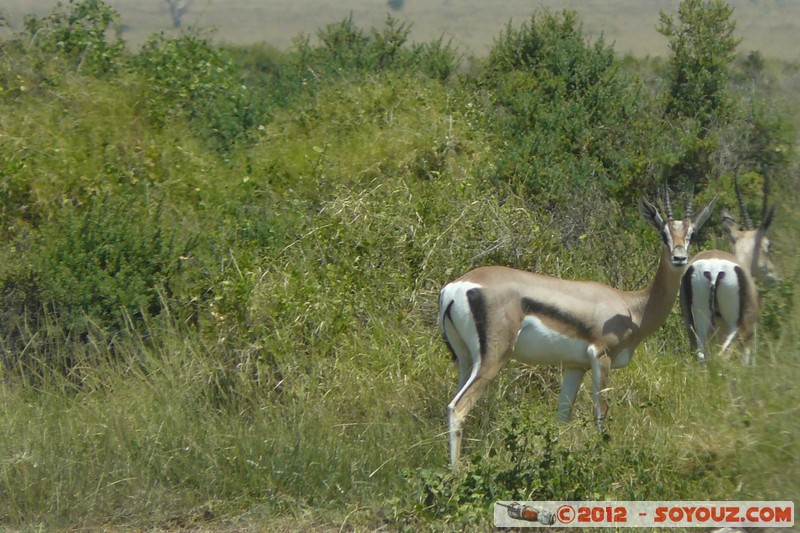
[{"x": 539, "y": 345}]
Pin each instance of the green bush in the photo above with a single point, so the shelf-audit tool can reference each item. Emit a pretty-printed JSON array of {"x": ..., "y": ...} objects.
[
  {"x": 78, "y": 33},
  {"x": 187, "y": 76},
  {"x": 703, "y": 47},
  {"x": 346, "y": 50},
  {"x": 569, "y": 122},
  {"x": 697, "y": 100},
  {"x": 110, "y": 264}
]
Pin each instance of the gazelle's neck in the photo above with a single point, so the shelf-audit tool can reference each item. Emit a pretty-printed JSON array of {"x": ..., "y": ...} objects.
[
  {"x": 747, "y": 251},
  {"x": 651, "y": 306}
]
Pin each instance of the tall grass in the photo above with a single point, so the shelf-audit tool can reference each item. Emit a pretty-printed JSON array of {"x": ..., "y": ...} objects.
[{"x": 166, "y": 436}]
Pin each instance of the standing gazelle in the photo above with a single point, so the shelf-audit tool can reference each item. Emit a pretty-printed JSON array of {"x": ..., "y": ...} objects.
[
  {"x": 493, "y": 314},
  {"x": 719, "y": 287}
]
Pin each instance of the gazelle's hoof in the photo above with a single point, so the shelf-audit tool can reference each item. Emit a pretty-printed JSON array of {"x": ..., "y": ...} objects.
[{"x": 598, "y": 422}]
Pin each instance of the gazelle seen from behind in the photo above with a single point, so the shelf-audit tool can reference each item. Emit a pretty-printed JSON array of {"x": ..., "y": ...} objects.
[
  {"x": 493, "y": 314},
  {"x": 718, "y": 291}
]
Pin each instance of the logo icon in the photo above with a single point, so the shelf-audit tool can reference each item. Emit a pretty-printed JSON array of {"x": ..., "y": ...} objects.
[{"x": 518, "y": 511}]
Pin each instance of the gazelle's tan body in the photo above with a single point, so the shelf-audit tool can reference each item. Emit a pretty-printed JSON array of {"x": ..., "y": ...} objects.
[
  {"x": 719, "y": 299},
  {"x": 493, "y": 314}
]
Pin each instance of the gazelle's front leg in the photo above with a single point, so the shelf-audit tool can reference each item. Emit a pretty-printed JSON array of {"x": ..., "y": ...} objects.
[
  {"x": 570, "y": 383},
  {"x": 601, "y": 368}
]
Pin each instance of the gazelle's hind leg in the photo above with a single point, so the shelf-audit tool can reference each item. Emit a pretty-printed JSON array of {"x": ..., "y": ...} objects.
[
  {"x": 483, "y": 372},
  {"x": 728, "y": 306},
  {"x": 728, "y": 342},
  {"x": 468, "y": 361},
  {"x": 748, "y": 337},
  {"x": 701, "y": 316},
  {"x": 461, "y": 353}
]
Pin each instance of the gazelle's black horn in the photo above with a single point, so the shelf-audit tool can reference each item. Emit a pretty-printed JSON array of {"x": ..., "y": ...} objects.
[
  {"x": 748, "y": 222},
  {"x": 765, "y": 172},
  {"x": 690, "y": 202},
  {"x": 667, "y": 202}
]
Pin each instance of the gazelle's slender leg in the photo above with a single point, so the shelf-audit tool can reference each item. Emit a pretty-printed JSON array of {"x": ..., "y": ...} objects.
[
  {"x": 459, "y": 408},
  {"x": 703, "y": 327},
  {"x": 747, "y": 357},
  {"x": 729, "y": 338},
  {"x": 570, "y": 383},
  {"x": 464, "y": 358},
  {"x": 697, "y": 346},
  {"x": 703, "y": 321},
  {"x": 751, "y": 345},
  {"x": 601, "y": 367},
  {"x": 605, "y": 378}
]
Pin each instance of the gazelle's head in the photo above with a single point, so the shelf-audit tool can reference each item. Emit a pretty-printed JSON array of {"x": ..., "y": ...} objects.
[
  {"x": 676, "y": 233},
  {"x": 752, "y": 247}
]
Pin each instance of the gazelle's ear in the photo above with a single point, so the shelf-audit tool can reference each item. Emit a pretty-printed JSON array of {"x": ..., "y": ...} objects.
[
  {"x": 650, "y": 213},
  {"x": 729, "y": 225},
  {"x": 703, "y": 215}
]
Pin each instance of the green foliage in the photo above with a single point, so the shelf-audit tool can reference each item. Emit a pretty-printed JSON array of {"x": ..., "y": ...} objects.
[
  {"x": 569, "y": 121},
  {"x": 697, "y": 98},
  {"x": 109, "y": 263},
  {"x": 345, "y": 49},
  {"x": 78, "y": 32},
  {"x": 528, "y": 458},
  {"x": 187, "y": 75},
  {"x": 703, "y": 47}
]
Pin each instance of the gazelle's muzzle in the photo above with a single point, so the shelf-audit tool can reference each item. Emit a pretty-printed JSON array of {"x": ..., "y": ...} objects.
[{"x": 679, "y": 256}]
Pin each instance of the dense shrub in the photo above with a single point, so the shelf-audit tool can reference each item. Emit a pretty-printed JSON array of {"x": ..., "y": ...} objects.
[
  {"x": 569, "y": 121},
  {"x": 78, "y": 32},
  {"x": 345, "y": 50},
  {"x": 697, "y": 99},
  {"x": 103, "y": 268},
  {"x": 703, "y": 46},
  {"x": 187, "y": 75}
]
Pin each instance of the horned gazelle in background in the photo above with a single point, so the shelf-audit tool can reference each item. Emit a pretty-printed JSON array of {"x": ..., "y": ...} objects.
[
  {"x": 718, "y": 293},
  {"x": 493, "y": 314}
]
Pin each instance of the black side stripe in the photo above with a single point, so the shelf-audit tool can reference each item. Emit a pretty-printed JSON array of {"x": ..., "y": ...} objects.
[
  {"x": 741, "y": 277},
  {"x": 531, "y": 306},
  {"x": 477, "y": 305}
]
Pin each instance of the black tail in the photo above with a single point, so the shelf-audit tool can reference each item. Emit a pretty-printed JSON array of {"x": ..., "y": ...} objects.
[
  {"x": 712, "y": 296},
  {"x": 446, "y": 316}
]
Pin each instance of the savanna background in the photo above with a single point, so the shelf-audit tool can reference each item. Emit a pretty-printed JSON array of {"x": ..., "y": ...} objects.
[{"x": 222, "y": 250}]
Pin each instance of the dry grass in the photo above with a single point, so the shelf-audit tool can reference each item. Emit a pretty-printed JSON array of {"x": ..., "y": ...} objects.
[{"x": 770, "y": 26}]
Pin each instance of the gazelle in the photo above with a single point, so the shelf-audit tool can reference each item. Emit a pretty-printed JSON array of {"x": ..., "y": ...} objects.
[
  {"x": 718, "y": 292},
  {"x": 493, "y": 314}
]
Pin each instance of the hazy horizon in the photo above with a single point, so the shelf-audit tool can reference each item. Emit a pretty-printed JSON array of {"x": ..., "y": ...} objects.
[{"x": 770, "y": 27}]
